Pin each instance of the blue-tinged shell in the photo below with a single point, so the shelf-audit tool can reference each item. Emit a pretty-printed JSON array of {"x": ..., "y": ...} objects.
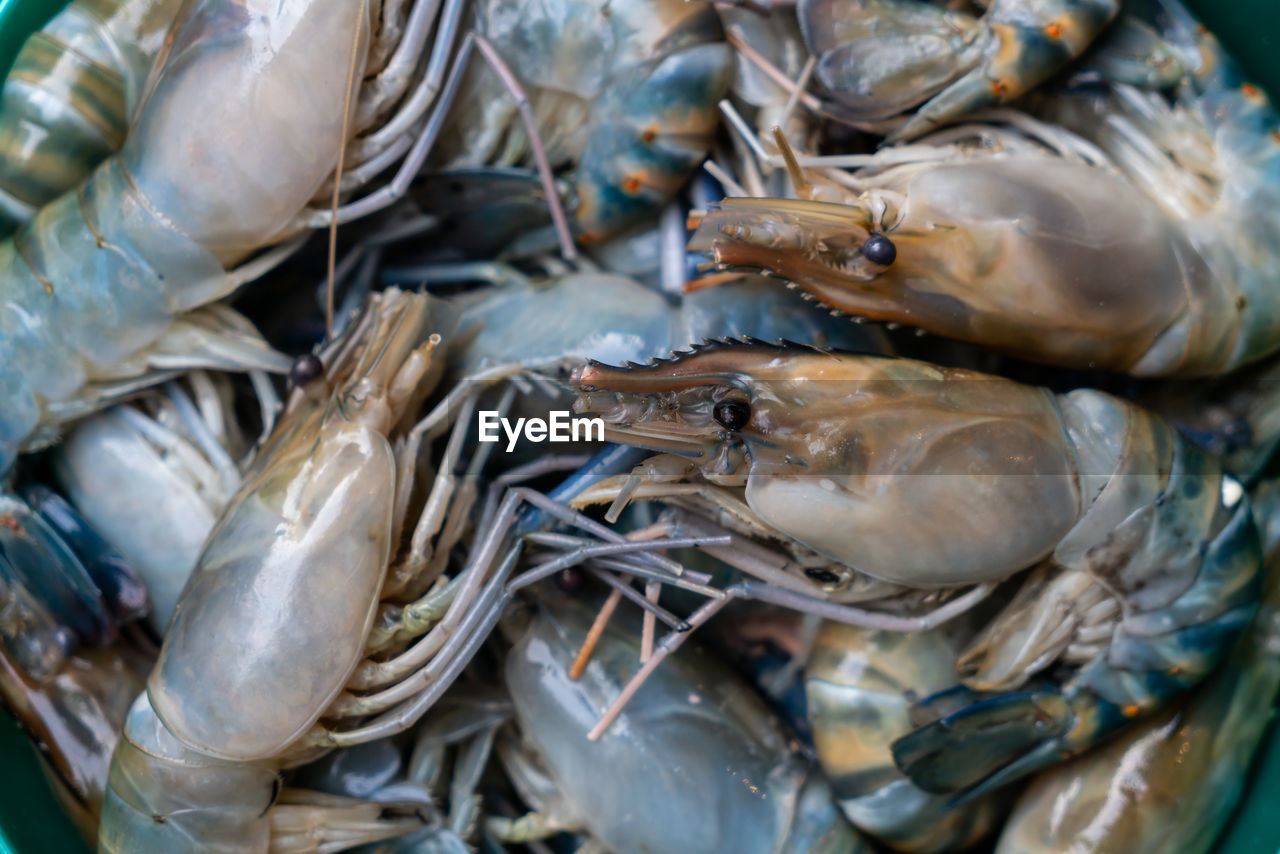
[
  {"x": 37, "y": 557},
  {"x": 29, "y": 634},
  {"x": 122, "y": 590}
]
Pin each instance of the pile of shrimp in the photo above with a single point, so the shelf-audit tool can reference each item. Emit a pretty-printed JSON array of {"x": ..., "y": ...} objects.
[{"x": 641, "y": 426}]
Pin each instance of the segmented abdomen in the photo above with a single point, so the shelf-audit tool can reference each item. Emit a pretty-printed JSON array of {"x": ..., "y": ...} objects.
[
  {"x": 1174, "y": 539},
  {"x": 66, "y": 103},
  {"x": 164, "y": 796},
  {"x": 85, "y": 287}
]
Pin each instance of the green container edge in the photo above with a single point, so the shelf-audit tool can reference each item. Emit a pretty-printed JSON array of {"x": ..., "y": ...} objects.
[{"x": 31, "y": 820}]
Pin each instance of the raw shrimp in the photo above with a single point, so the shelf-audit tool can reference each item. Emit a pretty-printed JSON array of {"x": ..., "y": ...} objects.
[
  {"x": 109, "y": 287},
  {"x": 1145, "y": 244},
  {"x": 1171, "y": 782},
  {"x": 236, "y": 691},
  {"x": 934, "y": 477}
]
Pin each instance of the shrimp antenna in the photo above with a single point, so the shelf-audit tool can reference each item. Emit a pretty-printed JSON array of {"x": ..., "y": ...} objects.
[
  {"x": 567, "y": 249},
  {"x": 803, "y": 189},
  {"x": 337, "y": 175},
  {"x": 589, "y": 643},
  {"x": 772, "y": 71}
]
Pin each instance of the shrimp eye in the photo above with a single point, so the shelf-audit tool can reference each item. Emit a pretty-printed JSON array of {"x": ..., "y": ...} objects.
[
  {"x": 879, "y": 250},
  {"x": 569, "y": 580},
  {"x": 304, "y": 369},
  {"x": 732, "y": 414}
]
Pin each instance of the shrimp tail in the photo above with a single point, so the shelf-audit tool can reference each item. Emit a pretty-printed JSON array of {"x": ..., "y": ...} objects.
[{"x": 979, "y": 742}]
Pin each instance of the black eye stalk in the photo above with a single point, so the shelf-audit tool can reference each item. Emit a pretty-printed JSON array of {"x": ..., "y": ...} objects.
[
  {"x": 304, "y": 369},
  {"x": 879, "y": 250},
  {"x": 732, "y": 414}
]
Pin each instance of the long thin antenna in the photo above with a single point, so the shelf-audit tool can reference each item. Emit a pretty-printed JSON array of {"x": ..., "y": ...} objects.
[
  {"x": 801, "y": 85},
  {"x": 803, "y": 190},
  {"x": 567, "y": 249},
  {"x": 652, "y": 590},
  {"x": 337, "y": 175},
  {"x": 669, "y": 644},
  {"x": 772, "y": 71},
  {"x": 579, "y": 665}
]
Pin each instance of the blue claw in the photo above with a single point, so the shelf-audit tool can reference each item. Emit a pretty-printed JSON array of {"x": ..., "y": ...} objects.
[
  {"x": 122, "y": 590},
  {"x": 647, "y": 138},
  {"x": 974, "y": 750},
  {"x": 37, "y": 558},
  {"x": 29, "y": 635},
  {"x": 882, "y": 57}
]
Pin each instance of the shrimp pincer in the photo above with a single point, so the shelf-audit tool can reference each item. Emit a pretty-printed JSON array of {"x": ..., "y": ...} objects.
[
  {"x": 879, "y": 58},
  {"x": 625, "y": 91},
  {"x": 934, "y": 477}
]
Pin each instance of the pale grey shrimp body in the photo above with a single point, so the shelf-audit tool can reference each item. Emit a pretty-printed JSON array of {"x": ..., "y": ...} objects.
[
  {"x": 66, "y": 102},
  {"x": 329, "y": 461},
  {"x": 860, "y": 685},
  {"x": 1148, "y": 555},
  {"x": 626, "y": 91},
  {"x": 1222, "y": 133},
  {"x": 164, "y": 796},
  {"x": 1172, "y": 781},
  {"x": 101, "y": 289},
  {"x": 176, "y": 447},
  {"x": 154, "y": 780},
  {"x": 696, "y": 763}
]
